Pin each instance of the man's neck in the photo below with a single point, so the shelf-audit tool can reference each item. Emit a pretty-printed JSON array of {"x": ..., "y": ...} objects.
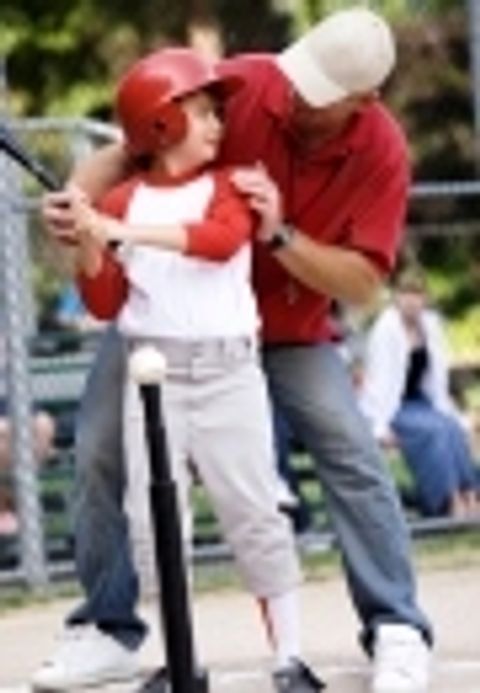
[{"x": 311, "y": 142}]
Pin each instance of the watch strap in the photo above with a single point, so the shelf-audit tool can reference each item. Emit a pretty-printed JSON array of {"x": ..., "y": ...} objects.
[{"x": 281, "y": 238}]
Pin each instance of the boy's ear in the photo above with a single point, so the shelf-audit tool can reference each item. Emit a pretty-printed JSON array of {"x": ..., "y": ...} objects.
[{"x": 170, "y": 124}]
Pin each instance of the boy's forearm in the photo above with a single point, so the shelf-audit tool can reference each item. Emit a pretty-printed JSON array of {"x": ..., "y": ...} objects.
[
  {"x": 163, "y": 236},
  {"x": 102, "y": 170},
  {"x": 89, "y": 259}
]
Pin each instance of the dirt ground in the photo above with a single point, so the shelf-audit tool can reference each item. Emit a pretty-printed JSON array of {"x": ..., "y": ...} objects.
[{"x": 232, "y": 645}]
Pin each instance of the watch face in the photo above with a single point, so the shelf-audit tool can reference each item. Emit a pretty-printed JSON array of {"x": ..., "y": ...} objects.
[{"x": 281, "y": 238}]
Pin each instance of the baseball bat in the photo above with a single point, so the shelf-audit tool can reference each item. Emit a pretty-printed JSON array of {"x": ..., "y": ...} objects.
[{"x": 17, "y": 151}]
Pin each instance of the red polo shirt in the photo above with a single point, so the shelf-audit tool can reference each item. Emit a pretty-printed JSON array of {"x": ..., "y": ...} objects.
[{"x": 352, "y": 192}]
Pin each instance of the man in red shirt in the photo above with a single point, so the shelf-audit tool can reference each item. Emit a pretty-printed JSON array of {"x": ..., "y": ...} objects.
[{"x": 338, "y": 162}]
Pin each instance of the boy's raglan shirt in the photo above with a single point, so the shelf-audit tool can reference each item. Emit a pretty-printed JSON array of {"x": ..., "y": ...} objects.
[{"x": 217, "y": 231}]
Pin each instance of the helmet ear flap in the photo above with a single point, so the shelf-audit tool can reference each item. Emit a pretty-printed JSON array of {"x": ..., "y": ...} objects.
[{"x": 170, "y": 124}]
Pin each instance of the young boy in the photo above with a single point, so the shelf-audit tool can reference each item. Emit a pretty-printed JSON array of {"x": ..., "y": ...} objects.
[{"x": 179, "y": 278}]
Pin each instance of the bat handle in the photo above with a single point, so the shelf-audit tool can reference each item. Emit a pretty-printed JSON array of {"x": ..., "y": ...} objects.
[
  {"x": 15, "y": 150},
  {"x": 47, "y": 179}
]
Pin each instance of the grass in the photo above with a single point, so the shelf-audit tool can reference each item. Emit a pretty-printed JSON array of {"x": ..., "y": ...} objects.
[
  {"x": 20, "y": 597},
  {"x": 449, "y": 552},
  {"x": 57, "y": 489},
  {"x": 461, "y": 550},
  {"x": 443, "y": 552},
  {"x": 457, "y": 551}
]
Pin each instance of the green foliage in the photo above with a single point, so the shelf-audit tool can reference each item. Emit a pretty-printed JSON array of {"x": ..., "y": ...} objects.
[
  {"x": 431, "y": 91},
  {"x": 63, "y": 58},
  {"x": 310, "y": 10}
]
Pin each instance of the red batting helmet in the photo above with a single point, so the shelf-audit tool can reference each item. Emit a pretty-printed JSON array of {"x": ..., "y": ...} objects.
[{"x": 147, "y": 96}]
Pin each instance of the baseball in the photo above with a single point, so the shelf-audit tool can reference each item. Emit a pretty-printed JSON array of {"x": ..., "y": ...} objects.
[{"x": 147, "y": 365}]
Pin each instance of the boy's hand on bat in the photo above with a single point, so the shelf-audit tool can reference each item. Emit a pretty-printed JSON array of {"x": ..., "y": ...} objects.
[{"x": 58, "y": 217}]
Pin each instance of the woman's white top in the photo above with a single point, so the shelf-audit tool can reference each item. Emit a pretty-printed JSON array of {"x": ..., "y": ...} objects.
[{"x": 386, "y": 365}]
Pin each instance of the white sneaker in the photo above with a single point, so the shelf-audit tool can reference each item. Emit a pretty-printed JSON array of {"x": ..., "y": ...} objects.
[
  {"x": 401, "y": 660},
  {"x": 85, "y": 657}
]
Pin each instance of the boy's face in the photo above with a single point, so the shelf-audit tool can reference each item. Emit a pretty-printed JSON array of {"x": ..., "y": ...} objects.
[{"x": 204, "y": 131}]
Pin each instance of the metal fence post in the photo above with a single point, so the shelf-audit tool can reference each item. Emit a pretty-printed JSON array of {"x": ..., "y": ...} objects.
[{"x": 13, "y": 270}]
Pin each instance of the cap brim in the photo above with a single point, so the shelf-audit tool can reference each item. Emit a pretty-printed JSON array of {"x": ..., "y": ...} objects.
[{"x": 307, "y": 78}]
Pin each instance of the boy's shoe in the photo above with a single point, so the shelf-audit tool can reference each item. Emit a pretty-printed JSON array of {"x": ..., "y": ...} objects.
[
  {"x": 401, "y": 660},
  {"x": 85, "y": 657},
  {"x": 156, "y": 683},
  {"x": 297, "y": 678},
  {"x": 159, "y": 682}
]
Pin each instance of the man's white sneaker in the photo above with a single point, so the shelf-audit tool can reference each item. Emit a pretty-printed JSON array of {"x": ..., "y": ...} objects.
[
  {"x": 401, "y": 660},
  {"x": 85, "y": 657}
]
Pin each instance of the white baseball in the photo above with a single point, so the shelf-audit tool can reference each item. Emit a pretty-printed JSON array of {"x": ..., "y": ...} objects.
[{"x": 147, "y": 365}]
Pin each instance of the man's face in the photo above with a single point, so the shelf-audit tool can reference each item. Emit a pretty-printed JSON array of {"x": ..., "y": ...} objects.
[{"x": 310, "y": 124}]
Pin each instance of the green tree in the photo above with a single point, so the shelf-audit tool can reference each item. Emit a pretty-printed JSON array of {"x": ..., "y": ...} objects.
[
  {"x": 63, "y": 58},
  {"x": 310, "y": 10}
]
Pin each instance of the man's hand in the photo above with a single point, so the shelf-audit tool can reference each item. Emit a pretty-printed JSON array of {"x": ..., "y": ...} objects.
[
  {"x": 264, "y": 198},
  {"x": 341, "y": 273}
]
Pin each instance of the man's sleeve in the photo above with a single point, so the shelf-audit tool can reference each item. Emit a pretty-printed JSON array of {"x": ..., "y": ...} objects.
[
  {"x": 377, "y": 230},
  {"x": 228, "y": 224},
  {"x": 377, "y": 222}
]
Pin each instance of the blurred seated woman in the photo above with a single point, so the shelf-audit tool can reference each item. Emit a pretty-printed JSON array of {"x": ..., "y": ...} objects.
[
  {"x": 43, "y": 438},
  {"x": 43, "y": 430},
  {"x": 405, "y": 395}
]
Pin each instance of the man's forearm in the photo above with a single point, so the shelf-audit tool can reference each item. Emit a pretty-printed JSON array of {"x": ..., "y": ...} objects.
[
  {"x": 340, "y": 273},
  {"x": 102, "y": 170}
]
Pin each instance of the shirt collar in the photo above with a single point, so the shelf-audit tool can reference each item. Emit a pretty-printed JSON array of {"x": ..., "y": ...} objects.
[
  {"x": 277, "y": 98},
  {"x": 164, "y": 179}
]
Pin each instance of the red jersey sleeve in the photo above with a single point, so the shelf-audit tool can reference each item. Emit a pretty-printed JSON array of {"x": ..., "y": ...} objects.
[
  {"x": 105, "y": 293},
  {"x": 228, "y": 224}
]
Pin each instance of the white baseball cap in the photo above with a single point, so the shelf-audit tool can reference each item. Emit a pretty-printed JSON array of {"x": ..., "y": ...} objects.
[{"x": 349, "y": 52}]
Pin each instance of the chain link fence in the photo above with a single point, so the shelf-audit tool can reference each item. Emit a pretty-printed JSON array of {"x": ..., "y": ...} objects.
[
  {"x": 48, "y": 347},
  {"x": 34, "y": 374}
]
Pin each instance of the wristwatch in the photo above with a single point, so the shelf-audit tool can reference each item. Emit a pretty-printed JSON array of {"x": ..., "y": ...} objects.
[{"x": 281, "y": 238}]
